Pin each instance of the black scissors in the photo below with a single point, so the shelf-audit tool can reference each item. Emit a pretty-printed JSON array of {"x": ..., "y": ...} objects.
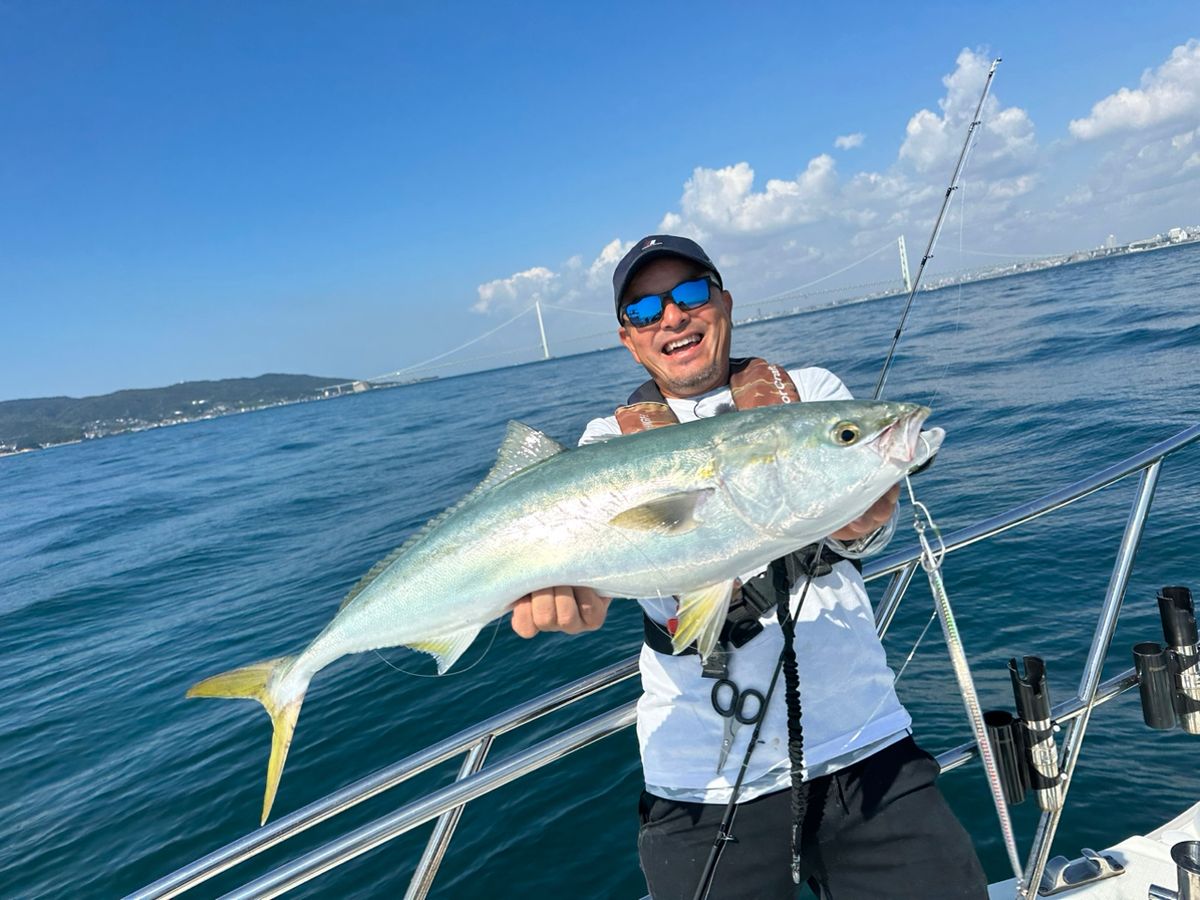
[{"x": 730, "y": 702}]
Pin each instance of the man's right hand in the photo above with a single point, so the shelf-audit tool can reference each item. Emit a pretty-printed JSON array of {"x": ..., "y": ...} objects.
[{"x": 570, "y": 609}]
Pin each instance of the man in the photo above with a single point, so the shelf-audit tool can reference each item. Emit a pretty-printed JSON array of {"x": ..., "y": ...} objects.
[{"x": 876, "y": 825}]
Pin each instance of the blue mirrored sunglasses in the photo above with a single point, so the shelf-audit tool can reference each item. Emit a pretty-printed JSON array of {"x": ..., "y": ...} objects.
[{"x": 686, "y": 295}]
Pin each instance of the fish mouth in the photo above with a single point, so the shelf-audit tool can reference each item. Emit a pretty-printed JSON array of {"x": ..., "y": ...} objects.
[{"x": 904, "y": 443}]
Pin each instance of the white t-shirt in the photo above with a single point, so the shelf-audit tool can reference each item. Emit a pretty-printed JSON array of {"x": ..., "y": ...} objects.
[{"x": 847, "y": 691}]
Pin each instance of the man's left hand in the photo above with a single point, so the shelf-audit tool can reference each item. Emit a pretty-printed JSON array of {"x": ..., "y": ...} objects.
[{"x": 874, "y": 518}]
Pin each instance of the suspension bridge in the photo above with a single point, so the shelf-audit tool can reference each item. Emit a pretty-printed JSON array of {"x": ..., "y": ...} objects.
[{"x": 524, "y": 337}]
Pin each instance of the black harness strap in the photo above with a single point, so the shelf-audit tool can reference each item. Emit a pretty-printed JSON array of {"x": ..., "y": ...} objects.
[{"x": 757, "y": 597}]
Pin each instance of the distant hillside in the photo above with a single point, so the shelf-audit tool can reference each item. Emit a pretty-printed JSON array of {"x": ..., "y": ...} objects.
[{"x": 29, "y": 424}]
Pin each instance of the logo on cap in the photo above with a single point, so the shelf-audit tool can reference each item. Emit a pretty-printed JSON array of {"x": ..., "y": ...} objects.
[{"x": 650, "y": 243}]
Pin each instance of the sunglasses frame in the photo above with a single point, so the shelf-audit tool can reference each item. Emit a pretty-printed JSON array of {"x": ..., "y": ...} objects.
[{"x": 670, "y": 295}]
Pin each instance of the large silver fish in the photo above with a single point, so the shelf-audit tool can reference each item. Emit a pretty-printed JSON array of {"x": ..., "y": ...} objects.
[{"x": 678, "y": 511}]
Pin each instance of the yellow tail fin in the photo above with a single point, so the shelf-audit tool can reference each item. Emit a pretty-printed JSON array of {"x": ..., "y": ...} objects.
[{"x": 253, "y": 683}]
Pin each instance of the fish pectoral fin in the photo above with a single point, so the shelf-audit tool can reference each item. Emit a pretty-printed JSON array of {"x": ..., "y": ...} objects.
[
  {"x": 673, "y": 514},
  {"x": 446, "y": 649},
  {"x": 701, "y": 614},
  {"x": 254, "y": 682}
]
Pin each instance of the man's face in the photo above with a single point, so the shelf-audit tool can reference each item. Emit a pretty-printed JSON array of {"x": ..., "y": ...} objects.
[{"x": 686, "y": 352}]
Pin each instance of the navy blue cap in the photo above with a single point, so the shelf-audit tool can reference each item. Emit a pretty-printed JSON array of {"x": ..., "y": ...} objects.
[{"x": 652, "y": 247}]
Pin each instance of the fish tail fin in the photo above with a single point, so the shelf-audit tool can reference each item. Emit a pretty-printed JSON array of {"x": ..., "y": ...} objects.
[{"x": 256, "y": 682}]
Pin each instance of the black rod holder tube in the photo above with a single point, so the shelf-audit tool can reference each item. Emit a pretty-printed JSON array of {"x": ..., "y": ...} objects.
[
  {"x": 1179, "y": 629},
  {"x": 1156, "y": 684},
  {"x": 1041, "y": 754},
  {"x": 1004, "y": 734}
]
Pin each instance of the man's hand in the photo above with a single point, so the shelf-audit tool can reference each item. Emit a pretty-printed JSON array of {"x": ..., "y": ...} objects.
[
  {"x": 873, "y": 518},
  {"x": 570, "y": 609}
]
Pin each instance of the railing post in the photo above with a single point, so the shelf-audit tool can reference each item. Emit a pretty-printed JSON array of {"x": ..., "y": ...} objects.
[
  {"x": 889, "y": 603},
  {"x": 443, "y": 828},
  {"x": 1092, "y": 669}
]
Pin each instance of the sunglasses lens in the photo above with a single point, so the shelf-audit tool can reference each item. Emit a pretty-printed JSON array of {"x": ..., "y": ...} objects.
[
  {"x": 644, "y": 310},
  {"x": 691, "y": 294},
  {"x": 649, "y": 309}
]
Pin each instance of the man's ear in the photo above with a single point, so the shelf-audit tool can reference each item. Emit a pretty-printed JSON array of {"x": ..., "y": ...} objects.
[
  {"x": 727, "y": 299},
  {"x": 623, "y": 334}
]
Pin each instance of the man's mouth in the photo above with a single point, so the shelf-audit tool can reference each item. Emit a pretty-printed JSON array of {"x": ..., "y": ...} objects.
[{"x": 680, "y": 344}]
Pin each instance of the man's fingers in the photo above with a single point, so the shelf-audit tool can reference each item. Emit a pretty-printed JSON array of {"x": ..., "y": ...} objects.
[
  {"x": 522, "y": 618},
  {"x": 545, "y": 609},
  {"x": 566, "y": 611},
  {"x": 571, "y": 610},
  {"x": 875, "y": 516},
  {"x": 593, "y": 608}
]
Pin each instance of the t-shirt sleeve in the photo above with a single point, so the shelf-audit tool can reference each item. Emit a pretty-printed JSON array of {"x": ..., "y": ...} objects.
[
  {"x": 600, "y": 430},
  {"x": 815, "y": 383}
]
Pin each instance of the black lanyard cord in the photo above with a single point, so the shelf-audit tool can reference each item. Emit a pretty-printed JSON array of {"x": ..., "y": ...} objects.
[{"x": 795, "y": 745}]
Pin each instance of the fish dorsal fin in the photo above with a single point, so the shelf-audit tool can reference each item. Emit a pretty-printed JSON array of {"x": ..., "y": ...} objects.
[
  {"x": 374, "y": 572},
  {"x": 521, "y": 448}
]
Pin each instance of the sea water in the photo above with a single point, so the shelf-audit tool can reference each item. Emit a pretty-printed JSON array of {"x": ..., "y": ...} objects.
[{"x": 133, "y": 566}]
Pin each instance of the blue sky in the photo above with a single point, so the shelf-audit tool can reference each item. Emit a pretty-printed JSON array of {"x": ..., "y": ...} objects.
[{"x": 208, "y": 190}]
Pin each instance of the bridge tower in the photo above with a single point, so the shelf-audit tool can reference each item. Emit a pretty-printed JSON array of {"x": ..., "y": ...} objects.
[{"x": 904, "y": 266}]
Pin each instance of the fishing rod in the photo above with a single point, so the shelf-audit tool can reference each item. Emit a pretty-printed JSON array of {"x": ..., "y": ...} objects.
[
  {"x": 937, "y": 227},
  {"x": 787, "y": 618}
]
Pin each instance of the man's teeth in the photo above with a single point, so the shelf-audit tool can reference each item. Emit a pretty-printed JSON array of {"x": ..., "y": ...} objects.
[{"x": 682, "y": 342}]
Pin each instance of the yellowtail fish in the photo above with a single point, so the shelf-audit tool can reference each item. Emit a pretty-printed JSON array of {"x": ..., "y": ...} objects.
[{"x": 677, "y": 511}]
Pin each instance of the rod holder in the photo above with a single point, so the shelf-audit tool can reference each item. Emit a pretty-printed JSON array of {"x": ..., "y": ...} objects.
[
  {"x": 1041, "y": 754},
  {"x": 1156, "y": 684},
  {"x": 1178, "y": 614},
  {"x": 1186, "y": 856},
  {"x": 1004, "y": 734}
]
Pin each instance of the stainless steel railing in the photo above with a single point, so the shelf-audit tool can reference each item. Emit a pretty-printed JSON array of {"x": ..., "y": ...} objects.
[{"x": 474, "y": 780}]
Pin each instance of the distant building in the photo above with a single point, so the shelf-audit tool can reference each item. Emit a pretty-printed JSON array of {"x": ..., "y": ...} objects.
[
  {"x": 359, "y": 386},
  {"x": 1111, "y": 243},
  {"x": 1177, "y": 235}
]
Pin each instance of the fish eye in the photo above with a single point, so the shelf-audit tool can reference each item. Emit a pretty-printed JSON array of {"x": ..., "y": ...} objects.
[{"x": 845, "y": 433}]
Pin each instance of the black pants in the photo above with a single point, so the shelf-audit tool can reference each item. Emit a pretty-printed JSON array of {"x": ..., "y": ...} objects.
[{"x": 877, "y": 830}]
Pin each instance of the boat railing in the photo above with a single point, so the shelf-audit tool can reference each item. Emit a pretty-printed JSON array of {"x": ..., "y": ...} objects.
[{"x": 474, "y": 780}]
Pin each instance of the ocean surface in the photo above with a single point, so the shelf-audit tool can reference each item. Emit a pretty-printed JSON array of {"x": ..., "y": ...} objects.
[{"x": 132, "y": 566}]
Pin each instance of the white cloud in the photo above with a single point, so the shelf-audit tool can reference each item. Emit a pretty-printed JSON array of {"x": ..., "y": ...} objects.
[
  {"x": 849, "y": 141},
  {"x": 1015, "y": 196},
  {"x": 502, "y": 292},
  {"x": 575, "y": 283},
  {"x": 722, "y": 201},
  {"x": 772, "y": 236},
  {"x": 1006, "y": 140},
  {"x": 1168, "y": 94}
]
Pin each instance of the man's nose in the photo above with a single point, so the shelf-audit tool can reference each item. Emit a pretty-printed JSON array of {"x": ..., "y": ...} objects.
[{"x": 673, "y": 315}]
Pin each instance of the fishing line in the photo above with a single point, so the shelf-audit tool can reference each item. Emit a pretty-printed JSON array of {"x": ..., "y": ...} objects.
[
  {"x": 461, "y": 671},
  {"x": 799, "y": 798}
]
